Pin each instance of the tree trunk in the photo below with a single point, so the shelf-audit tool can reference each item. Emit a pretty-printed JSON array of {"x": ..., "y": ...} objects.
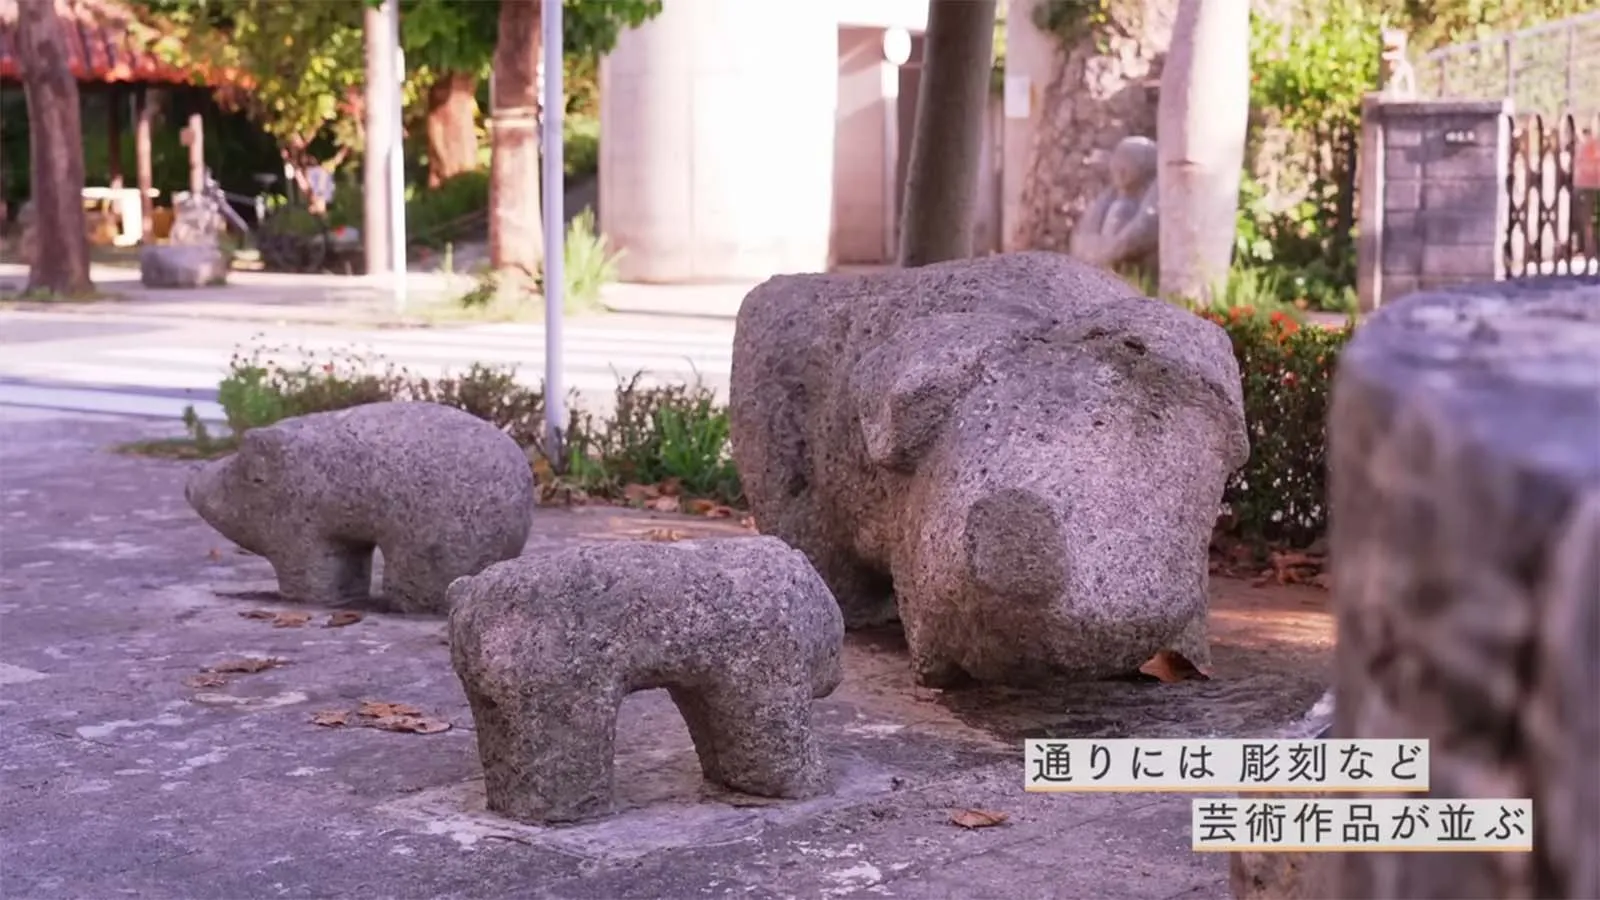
[
  {"x": 1203, "y": 116},
  {"x": 452, "y": 126},
  {"x": 941, "y": 198},
  {"x": 516, "y": 238},
  {"x": 56, "y": 146},
  {"x": 1101, "y": 90}
]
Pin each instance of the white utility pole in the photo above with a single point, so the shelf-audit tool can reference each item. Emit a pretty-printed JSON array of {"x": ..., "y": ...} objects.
[
  {"x": 397, "y": 156},
  {"x": 555, "y": 413},
  {"x": 375, "y": 212}
]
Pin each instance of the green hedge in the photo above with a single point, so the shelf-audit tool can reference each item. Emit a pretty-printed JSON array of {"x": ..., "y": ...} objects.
[{"x": 1279, "y": 497}]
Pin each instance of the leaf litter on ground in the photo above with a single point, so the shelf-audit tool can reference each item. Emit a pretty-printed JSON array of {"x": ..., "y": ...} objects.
[
  {"x": 342, "y": 618},
  {"x": 1170, "y": 667},
  {"x": 977, "y": 818},
  {"x": 247, "y": 665},
  {"x": 285, "y": 619},
  {"x": 205, "y": 680}
]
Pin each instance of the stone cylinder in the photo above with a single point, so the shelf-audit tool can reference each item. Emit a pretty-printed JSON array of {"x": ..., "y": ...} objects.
[
  {"x": 1464, "y": 458},
  {"x": 717, "y": 157}
]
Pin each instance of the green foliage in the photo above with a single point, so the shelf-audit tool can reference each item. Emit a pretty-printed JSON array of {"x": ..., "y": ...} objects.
[
  {"x": 1437, "y": 22},
  {"x": 1310, "y": 77},
  {"x": 1279, "y": 497},
  {"x": 433, "y": 215},
  {"x": 1071, "y": 20},
  {"x": 590, "y": 263},
  {"x": 580, "y": 150},
  {"x": 677, "y": 433}
]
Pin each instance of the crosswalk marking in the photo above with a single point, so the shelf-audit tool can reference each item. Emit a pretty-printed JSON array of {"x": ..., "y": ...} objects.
[{"x": 92, "y": 375}]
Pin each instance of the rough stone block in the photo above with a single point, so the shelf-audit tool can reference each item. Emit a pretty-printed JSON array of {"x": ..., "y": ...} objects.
[
  {"x": 741, "y": 631},
  {"x": 1022, "y": 451},
  {"x": 440, "y": 492},
  {"x": 1460, "y": 261},
  {"x": 182, "y": 265},
  {"x": 1464, "y": 457},
  {"x": 1463, "y": 196},
  {"x": 1402, "y": 196}
]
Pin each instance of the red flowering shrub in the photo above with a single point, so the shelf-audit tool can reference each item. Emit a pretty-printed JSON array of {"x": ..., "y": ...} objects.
[{"x": 1280, "y": 496}]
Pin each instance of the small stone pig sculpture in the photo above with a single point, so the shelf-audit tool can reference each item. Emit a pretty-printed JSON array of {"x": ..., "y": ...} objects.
[
  {"x": 741, "y": 631},
  {"x": 1021, "y": 452},
  {"x": 441, "y": 492}
]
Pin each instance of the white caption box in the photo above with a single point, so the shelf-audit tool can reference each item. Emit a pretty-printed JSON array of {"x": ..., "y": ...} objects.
[
  {"x": 1375, "y": 824},
  {"x": 1226, "y": 765}
]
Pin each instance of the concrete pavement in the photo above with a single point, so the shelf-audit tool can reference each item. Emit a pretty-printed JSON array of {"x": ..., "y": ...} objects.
[{"x": 126, "y": 772}]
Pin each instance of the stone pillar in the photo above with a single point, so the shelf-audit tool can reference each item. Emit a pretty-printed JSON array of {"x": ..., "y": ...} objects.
[
  {"x": 1434, "y": 204},
  {"x": 718, "y": 158},
  {"x": 1464, "y": 459}
]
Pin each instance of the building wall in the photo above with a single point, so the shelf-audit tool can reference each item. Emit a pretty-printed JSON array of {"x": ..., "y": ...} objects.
[
  {"x": 863, "y": 160},
  {"x": 717, "y": 162}
]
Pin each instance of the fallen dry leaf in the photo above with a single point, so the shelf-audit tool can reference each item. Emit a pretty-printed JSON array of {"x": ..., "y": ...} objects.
[
  {"x": 290, "y": 619},
  {"x": 748, "y": 522},
  {"x": 542, "y": 473},
  {"x": 331, "y": 718},
  {"x": 639, "y": 493},
  {"x": 664, "y": 535},
  {"x": 258, "y": 614},
  {"x": 667, "y": 503},
  {"x": 1170, "y": 666},
  {"x": 214, "y": 554},
  {"x": 1323, "y": 580},
  {"x": 205, "y": 680},
  {"x": 379, "y": 709},
  {"x": 342, "y": 618},
  {"x": 723, "y": 512},
  {"x": 247, "y": 665},
  {"x": 410, "y": 724},
  {"x": 977, "y": 818},
  {"x": 699, "y": 506},
  {"x": 671, "y": 487}
]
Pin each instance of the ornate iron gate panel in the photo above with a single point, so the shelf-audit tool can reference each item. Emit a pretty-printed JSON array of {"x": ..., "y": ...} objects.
[{"x": 1551, "y": 227}]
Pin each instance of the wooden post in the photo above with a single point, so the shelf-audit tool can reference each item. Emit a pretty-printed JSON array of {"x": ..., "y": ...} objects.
[
  {"x": 195, "y": 138},
  {"x": 114, "y": 98},
  {"x": 142, "y": 154}
]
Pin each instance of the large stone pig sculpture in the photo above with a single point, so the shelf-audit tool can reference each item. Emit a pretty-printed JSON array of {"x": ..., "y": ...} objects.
[
  {"x": 441, "y": 492},
  {"x": 1023, "y": 451}
]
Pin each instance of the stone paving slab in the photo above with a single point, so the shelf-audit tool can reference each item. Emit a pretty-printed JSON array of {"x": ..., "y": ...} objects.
[{"x": 121, "y": 780}]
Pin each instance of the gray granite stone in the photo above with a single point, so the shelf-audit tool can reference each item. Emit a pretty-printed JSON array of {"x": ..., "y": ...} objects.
[
  {"x": 741, "y": 632},
  {"x": 1464, "y": 453},
  {"x": 1023, "y": 451},
  {"x": 182, "y": 265},
  {"x": 440, "y": 492}
]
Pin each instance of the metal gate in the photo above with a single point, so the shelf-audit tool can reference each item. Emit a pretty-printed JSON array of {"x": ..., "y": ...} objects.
[{"x": 1552, "y": 225}]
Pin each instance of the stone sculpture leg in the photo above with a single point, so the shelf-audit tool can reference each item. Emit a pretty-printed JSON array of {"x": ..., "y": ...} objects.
[
  {"x": 415, "y": 578},
  {"x": 324, "y": 572},
  {"x": 755, "y": 741},
  {"x": 547, "y": 760}
]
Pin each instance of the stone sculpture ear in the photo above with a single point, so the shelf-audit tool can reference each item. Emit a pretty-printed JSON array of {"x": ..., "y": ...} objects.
[
  {"x": 906, "y": 387},
  {"x": 260, "y": 451}
]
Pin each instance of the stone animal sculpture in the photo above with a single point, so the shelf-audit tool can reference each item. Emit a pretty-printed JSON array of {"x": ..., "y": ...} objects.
[
  {"x": 741, "y": 632},
  {"x": 1121, "y": 229},
  {"x": 441, "y": 492},
  {"x": 1024, "y": 450}
]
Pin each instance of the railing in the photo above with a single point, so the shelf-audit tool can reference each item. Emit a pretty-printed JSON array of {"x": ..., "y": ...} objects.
[
  {"x": 1552, "y": 68},
  {"x": 1552, "y": 225}
]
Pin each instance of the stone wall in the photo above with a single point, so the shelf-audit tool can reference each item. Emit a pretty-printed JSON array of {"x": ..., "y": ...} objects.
[
  {"x": 1103, "y": 88},
  {"x": 1433, "y": 200}
]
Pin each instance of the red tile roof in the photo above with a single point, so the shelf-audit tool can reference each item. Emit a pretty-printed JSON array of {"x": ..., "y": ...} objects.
[{"x": 106, "y": 42}]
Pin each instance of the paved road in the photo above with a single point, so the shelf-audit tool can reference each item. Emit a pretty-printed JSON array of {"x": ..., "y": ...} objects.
[{"x": 148, "y": 366}]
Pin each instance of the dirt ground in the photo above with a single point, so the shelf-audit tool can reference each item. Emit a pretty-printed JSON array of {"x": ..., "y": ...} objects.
[{"x": 125, "y": 775}]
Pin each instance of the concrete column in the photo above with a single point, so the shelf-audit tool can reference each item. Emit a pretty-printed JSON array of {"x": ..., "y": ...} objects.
[
  {"x": 1465, "y": 512},
  {"x": 1030, "y": 53},
  {"x": 717, "y": 162}
]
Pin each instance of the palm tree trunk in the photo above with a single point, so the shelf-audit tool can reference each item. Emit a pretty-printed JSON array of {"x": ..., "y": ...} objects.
[
  {"x": 516, "y": 235},
  {"x": 1201, "y": 123}
]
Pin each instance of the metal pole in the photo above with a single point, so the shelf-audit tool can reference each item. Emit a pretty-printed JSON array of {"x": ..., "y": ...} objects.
[
  {"x": 397, "y": 157},
  {"x": 554, "y": 231}
]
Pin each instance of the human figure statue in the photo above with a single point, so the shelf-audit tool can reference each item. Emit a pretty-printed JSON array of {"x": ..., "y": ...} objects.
[{"x": 1119, "y": 231}]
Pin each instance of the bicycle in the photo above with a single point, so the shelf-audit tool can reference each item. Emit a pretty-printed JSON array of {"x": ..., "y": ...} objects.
[{"x": 288, "y": 236}]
